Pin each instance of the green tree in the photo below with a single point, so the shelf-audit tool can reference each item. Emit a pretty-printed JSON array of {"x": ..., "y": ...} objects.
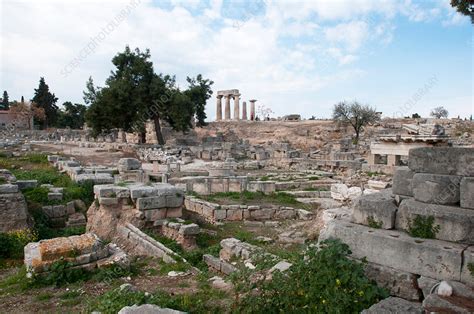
[
  {"x": 47, "y": 101},
  {"x": 465, "y": 7},
  {"x": 199, "y": 92},
  {"x": 72, "y": 116},
  {"x": 134, "y": 94},
  {"x": 5, "y": 104},
  {"x": 356, "y": 115},
  {"x": 91, "y": 92}
]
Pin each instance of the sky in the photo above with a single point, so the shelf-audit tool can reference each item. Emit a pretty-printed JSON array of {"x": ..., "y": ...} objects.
[{"x": 294, "y": 57}]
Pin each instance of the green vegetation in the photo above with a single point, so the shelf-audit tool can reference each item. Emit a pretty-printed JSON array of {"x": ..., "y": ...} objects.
[
  {"x": 247, "y": 197},
  {"x": 470, "y": 267},
  {"x": 373, "y": 223},
  {"x": 12, "y": 243},
  {"x": 338, "y": 285},
  {"x": 423, "y": 227}
]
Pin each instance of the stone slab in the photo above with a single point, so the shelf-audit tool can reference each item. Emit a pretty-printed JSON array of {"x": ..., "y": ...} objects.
[
  {"x": 398, "y": 250},
  {"x": 379, "y": 207},
  {"x": 456, "y": 224},
  {"x": 402, "y": 178},
  {"x": 442, "y": 160},
  {"x": 394, "y": 305},
  {"x": 467, "y": 276},
  {"x": 467, "y": 192},
  {"x": 436, "y": 188}
]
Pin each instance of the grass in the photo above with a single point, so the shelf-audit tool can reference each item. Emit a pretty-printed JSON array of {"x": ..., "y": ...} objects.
[{"x": 249, "y": 198}]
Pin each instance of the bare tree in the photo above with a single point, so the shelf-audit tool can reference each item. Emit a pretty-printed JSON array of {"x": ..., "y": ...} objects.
[
  {"x": 355, "y": 114},
  {"x": 27, "y": 111},
  {"x": 439, "y": 112}
]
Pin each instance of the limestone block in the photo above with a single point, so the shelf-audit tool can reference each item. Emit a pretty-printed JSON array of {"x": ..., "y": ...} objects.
[
  {"x": 377, "y": 206},
  {"x": 191, "y": 229},
  {"x": 426, "y": 285},
  {"x": 147, "y": 309},
  {"x": 437, "y": 304},
  {"x": 467, "y": 192},
  {"x": 262, "y": 214},
  {"x": 108, "y": 201},
  {"x": 234, "y": 214},
  {"x": 126, "y": 164},
  {"x": 399, "y": 283},
  {"x": 342, "y": 192},
  {"x": 442, "y": 160},
  {"x": 285, "y": 214},
  {"x": 395, "y": 305},
  {"x": 378, "y": 185},
  {"x": 466, "y": 275},
  {"x": 436, "y": 189},
  {"x": 456, "y": 224},
  {"x": 13, "y": 212},
  {"x": 151, "y": 202},
  {"x": 174, "y": 212},
  {"x": 70, "y": 208},
  {"x": 8, "y": 188},
  {"x": 175, "y": 200},
  {"x": 59, "y": 211},
  {"x": 402, "y": 179},
  {"x": 155, "y": 214},
  {"x": 212, "y": 261},
  {"x": 398, "y": 250}
]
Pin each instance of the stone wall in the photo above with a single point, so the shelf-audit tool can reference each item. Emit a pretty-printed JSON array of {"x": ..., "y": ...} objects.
[
  {"x": 178, "y": 230},
  {"x": 212, "y": 213},
  {"x": 435, "y": 185},
  {"x": 13, "y": 209},
  {"x": 85, "y": 251}
]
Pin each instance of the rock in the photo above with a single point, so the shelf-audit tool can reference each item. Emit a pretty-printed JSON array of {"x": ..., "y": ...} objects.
[
  {"x": 127, "y": 164},
  {"x": 264, "y": 239},
  {"x": 394, "y": 305},
  {"x": 402, "y": 179},
  {"x": 467, "y": 192},
  {"x": 444, "y": 289},
  {"x": 436, "y": 189},
  {"x": 13, "y": 212},
  {"x": 439, "y": 304},
  {"x": 304, "y": 214},
  {"x": 341, "y": 192},
  {"x": 147, "y": 309},
  {"x": 220, "y": 284},
  {"x": 442, "y": 160},
  {"x": 280, "y": 266},
  {"x": 26, "y": 184},
  {"x": 176, "y": 273},
  {"x": 378, "y": 208},
  {"x": 127, "y": 287}
]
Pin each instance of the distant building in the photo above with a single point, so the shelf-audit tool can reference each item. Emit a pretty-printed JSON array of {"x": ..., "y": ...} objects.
[{"x": 14, "y": 121}]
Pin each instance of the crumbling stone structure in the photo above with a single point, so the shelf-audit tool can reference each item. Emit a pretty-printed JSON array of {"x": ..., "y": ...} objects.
[
  {"x": 13, "y": 209},
  {"x": 437, "y": 185}
]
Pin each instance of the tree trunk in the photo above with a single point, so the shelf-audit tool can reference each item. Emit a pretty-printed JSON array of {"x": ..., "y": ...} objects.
[{"x": 159, "y": 135}]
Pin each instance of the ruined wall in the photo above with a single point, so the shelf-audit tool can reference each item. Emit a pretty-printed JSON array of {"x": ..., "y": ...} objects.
[{"x": 13, "y": 209}]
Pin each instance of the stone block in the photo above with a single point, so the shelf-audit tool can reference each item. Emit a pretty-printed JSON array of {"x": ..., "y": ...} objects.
[
  {"x": 227, "y": 268},
  {"x": 155, "y": 214},
  {"x": 456, "y": 224},
  {"x": 304, "y": 214},
  {"x": 377, "y": 206},
  {"x": 8, "y": 188},
  {"x": 285, "y": 214},
  {"x": 70, "y": 208},
  {"x": 468, "y": 264},
  {"x": 394, "y": 305},
  {"x": 152, "y": 202},
  {"x": 234, "y": 214},
  {"x": 55, "y": 196},
  {"x": 174, "y": 212},
  {"x": 212, "y": 261},
  {"x": 398, "y": 283},
  {"x": 442, "y": 160},
  {"x": 26, "y": 184},
  {"x": 398, "y": 250},
  {"x": 175, "y": 200},
  {"x": 191, "y": 229},
  {"x": 127, "y": 164},
  {"x": 467, "y": 192},
  {"x": 436, "y": 189},
  {"x": 108, "y": 201},
  {"x": 402, "y": 179},
  {"x": 262, "y": 214},
  {"x": 220, "y": 214}
]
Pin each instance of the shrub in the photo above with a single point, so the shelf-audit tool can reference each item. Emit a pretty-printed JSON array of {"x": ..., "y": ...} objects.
[
  {"x": 12, "y": 243},
  {"x": 373, "y": 223},
  {"x": 423, "y": 227},
  {"x": 324, "y": 281},
  {"x": 61, "y": 272}
]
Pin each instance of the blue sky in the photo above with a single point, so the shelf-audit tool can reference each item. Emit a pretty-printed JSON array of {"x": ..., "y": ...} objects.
[{"x": 293, "y": 56}]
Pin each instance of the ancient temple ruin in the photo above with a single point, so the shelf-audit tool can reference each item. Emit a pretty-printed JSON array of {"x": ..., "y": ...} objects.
[{"x": 235, "y": 95}]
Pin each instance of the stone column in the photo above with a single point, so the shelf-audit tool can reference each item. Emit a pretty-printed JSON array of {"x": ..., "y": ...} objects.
[
  {"x": 219, "y": 108},
  {"x": 252, "y": 109},
  {"x": 227, "y": 107},
  {"x": 244, "y": 111},
  {"x": 236, "y": 107},
  {"x": 393, "y": 160}
]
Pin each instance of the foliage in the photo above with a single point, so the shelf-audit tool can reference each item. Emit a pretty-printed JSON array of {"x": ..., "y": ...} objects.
[
  {"x": 28, "y": 111},
  {"x": 336, "y": 284},
  {"x": 73, "y": 116},
  {"x": 373, "y": 223},
  {"x": 439, "y": 112},
  {"x": 423, "y": 227},
  {"x": 470, "y": 267},
  {"x": 204, "y": 301},
  {"x": 465, "y": 7},
  {"x": 60, "y": 273},
  {"x": 134, "y": 93},
  {"x": 5, "y": 103},
  {"x": 415, "y": 116},
  {"x": 13, "y": 242},
  {"x": 356, "y": 115},
  {"x": 46, "y": 101}
]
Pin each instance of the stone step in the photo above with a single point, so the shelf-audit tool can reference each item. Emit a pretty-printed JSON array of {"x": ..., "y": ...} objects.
[
  {"x": 431, "y": 258},
  {"x": 456, "y": 224}
]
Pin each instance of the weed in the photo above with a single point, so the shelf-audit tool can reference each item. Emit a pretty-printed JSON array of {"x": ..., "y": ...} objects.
[
  {"x": 45, "y": 296},
  {"x": 373, "y": 223},
  {"x": 423, "y": 227},
  {"x": 470, "y": 267}
]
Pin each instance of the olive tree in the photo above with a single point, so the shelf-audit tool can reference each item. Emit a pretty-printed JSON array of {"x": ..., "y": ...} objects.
[
  {"x": 356, "y": 115},
  {"x": 439, "y": 112}
]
